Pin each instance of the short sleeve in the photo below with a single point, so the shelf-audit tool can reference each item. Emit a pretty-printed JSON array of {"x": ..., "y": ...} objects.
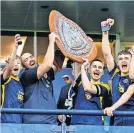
[
  {"x": 51, "y": 75},
  {"x": 29, "y": 77},
  {"x": 2, "y": 79},
  {"x": 114, "y": 71},
  {"x": 102, "y": 90}
]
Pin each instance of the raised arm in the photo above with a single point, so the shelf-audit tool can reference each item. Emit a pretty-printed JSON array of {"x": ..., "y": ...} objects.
[
  {"x": 106, "y": 50},
  {"x": 131, "y": 70},
  {"x": 11, "y": 59},
  {"x": 85, "y": 81},
  {"x": 49, "y": 57},
  {"x": 123, "y": 99}
]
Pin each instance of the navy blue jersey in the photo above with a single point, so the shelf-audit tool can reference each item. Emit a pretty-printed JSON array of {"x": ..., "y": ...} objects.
[
  {"x": 120, "y": 84},
  {"x": 62, "y": 101},
  {"x": 63, "y": 97},
  {"x": 86, "y": 101},
  {"x": 12, "y": 97},
  {"x": 2, "y": 79},
  {"x": 38, "y": 95},
  {"x": 1, "y": 90}
]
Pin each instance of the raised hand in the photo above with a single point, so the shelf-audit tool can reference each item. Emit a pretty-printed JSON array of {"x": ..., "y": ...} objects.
[
  {"x": 86, "y": 63},
  {"x": 8, "y": 58},
  {"x": 90, "y": 39},
  {"x": 17, "y": 40},
  {"x": 104, "y": 23},
  {"x": 131, "y": 50},
  {"x": 110, "y": 21},
  {"x": 53, "y": 37}
]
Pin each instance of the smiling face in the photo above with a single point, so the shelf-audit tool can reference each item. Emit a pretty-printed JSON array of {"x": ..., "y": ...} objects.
[
  {"x": 96, "y": 70},
  {"x": 124, "y": 62},
  {"x": 28, "y": 60},
  {"x": 17, "y": 67}
]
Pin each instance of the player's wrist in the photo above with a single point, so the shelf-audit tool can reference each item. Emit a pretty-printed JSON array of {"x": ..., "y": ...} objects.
[
  {"x": 105, "y": 28},
  {"x": 82, "y": 67},
  {"x": 52, "y": 41},
  {"x": 16, "y": 46},
  {"x": 113, "y": 107}
]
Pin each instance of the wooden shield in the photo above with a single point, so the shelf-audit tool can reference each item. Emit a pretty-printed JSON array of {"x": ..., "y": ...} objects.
[{"x": 74, "y": 43}]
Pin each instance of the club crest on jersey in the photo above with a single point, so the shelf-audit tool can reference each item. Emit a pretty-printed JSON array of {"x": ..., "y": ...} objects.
[
  {"x": 121, "y": 89},
  {"x": 87, "y": 95},
  {"x": 20, "y": 96},
  {"x": 125, "y": 81}
]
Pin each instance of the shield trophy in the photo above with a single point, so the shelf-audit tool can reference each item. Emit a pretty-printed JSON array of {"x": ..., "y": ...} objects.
[{"x": 74, "y": 43}]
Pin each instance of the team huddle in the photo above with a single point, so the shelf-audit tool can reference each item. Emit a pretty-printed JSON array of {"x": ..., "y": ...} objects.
[{"x": 27, "y": 84}]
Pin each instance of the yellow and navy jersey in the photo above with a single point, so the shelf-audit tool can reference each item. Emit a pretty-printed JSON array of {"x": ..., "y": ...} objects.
[
  {"x": 12, "y": 97},
  {"x": 120, "y": 84},
  {"x": 86, "y": 101},
  {"x": 2, "y": 82},
  {"x": 104, "y": 94},
  {"x": 2, "y": 79}
]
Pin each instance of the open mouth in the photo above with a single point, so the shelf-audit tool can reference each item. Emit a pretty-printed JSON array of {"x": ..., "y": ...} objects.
[
  {"x": 32, "y": 62},
  {"x": 96, "y": 73},
  {"x": 124, "y": 66},
  {"x": 15, "y": 69}
]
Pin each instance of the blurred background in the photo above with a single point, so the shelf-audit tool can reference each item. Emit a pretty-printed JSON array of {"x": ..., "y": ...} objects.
[{"x": 30, "y": 19}]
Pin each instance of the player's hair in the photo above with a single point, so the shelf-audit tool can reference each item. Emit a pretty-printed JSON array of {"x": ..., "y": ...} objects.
[
  {"x": 125, "y": 52},
  {"x": 96, "y": 60}
]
